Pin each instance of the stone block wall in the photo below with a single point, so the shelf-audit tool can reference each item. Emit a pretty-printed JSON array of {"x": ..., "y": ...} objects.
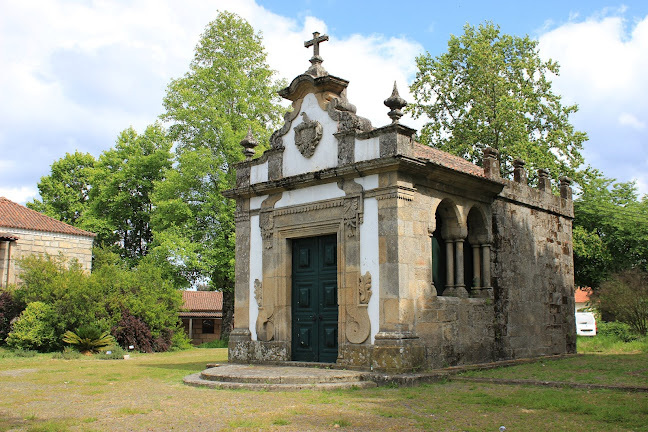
[
  {"x": 37, "y": 242},
  {"x": 534, "y": 273}
]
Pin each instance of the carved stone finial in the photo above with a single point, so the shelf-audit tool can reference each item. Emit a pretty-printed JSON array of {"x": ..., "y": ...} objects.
[
  {"x": 249, "y": 143},
  {"x": 316, "y": 69},
  {"x": 395, "y": 103},
  {"x": 491, "y": 163},
  {"x": 544, "y": 181},
  {"x": 565, "y": 187},
  {"x": 519, "y": 172}
]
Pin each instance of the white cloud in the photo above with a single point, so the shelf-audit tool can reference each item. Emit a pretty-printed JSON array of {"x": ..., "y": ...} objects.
[
  {"x": 74, "y": 74},
  {"x": 626, "y": 119},
  {"x": 19, "y": 194},
  {"x": 603, "y": 60}
]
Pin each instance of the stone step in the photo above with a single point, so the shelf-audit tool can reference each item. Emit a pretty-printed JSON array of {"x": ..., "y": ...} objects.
[{"x": 283, "y": 378}]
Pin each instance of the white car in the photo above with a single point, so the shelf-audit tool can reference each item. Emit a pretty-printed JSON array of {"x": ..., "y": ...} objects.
[{"x": 585, "y": 324}]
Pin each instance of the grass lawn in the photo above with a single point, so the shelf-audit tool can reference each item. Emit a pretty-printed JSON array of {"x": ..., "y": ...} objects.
[{"x": 146, "y": 393}]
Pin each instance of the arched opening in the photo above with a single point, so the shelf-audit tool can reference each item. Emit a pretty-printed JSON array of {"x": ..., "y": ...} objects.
[
  {"x": 444, "y": 238},
  {"x": 477, "y": 263},
  {"x": 438, "y": 258}
]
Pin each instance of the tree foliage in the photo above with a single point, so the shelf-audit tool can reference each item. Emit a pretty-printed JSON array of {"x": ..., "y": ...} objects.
[
  {"x": 65, "y": 191},
  {"x": 610, "y": 229},
  {"x": 492, "y": 90},
  {"x": 229, "y": 88},
  {"x": 122, "y": 186},
  {"x": 625, "y": 298}
]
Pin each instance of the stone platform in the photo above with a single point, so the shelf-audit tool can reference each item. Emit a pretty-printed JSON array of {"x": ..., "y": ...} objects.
[{"x": 281, "y": 378}]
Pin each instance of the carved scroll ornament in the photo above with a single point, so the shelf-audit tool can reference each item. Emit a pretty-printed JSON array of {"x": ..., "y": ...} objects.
[{"x": 359, "y": 325}]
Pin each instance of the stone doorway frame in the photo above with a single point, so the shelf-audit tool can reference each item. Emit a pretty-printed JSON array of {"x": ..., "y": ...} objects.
[{"x": 341, "y": 217}]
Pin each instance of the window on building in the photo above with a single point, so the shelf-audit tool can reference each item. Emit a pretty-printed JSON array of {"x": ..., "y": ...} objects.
[{"x": 208, "y": 326}]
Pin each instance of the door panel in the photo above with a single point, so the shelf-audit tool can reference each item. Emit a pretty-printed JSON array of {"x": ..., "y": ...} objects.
[{"x": 315, "y": 304}]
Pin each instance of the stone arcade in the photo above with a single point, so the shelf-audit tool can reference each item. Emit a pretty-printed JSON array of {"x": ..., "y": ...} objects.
[{"x": 358, "y": 246}]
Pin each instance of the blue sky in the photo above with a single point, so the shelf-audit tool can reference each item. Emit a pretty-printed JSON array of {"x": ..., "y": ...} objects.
[{"x": 74, "y": 73}]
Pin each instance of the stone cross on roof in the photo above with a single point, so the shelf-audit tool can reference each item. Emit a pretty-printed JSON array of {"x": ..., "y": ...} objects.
[{"x": 316, "y": 69}]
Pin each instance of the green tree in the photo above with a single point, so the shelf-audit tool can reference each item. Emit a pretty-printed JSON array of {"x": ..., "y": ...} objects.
[
  {"x": 65, "y": 192},
  {"x": 492, "y": 90},
  {"x": 624, "y": 297},
  {"x": 228, "y": 89},
  {"x": 610, "y": 229},
  {"x": 122, "y": 185}
]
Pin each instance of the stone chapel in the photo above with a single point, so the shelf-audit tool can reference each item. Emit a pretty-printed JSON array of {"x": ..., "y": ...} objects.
[{"x": 358, "y": 246}]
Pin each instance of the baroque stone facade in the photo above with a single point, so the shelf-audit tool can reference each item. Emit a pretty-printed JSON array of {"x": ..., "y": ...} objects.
[{"x": 437, "y": 261}]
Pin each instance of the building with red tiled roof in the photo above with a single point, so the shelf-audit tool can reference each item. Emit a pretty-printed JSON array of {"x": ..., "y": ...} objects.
[
  {"x": 24, "y": 231},
  {"x": 202, "y": 315},
  {"x": 582, "y": 298}
]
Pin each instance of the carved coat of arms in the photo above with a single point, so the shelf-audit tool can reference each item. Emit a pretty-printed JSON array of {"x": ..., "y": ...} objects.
[{"x": 307, "y": 135}]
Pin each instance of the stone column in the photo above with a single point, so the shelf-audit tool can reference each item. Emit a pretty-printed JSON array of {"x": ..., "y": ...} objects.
[
  {"x": 486, "y": 262},
  {"x": 476, "y": 267},
  {"x": 449, "y": 265},
  {"x": 460, "y": 286}
]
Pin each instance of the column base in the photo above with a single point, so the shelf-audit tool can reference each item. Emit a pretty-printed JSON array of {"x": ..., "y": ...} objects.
[
  {"x": 456, "y": 291},
  {"x": 397, "y": 352},
  {"x": 486, "y": 292}
]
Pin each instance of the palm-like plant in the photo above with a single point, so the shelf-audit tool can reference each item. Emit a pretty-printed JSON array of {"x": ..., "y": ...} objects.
[{"x": 89, "y": 339}]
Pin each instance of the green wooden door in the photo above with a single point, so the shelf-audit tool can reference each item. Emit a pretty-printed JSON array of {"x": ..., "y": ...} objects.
[{"x": 314, "y": 299}]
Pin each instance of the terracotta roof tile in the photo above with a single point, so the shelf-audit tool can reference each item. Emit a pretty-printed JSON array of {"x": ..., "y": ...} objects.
[
  {"x": 13, "y": 215},
  {"x": 8, "y": 236},
  {"x": 202, "y": 301},
  {"x": 447, "y": 160},
  {"x": 582, "y": 294}
]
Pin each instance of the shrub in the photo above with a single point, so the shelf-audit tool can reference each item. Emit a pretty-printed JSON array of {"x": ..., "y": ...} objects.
[
  {"x": 112, "y": 353},
  {"x": 625, "y": 297},
  {"x": 132, "y": 330},
  {"x": 10, "y": 308},
  {"x": 180, "y": 340},
  {"x": 67, "y": 354},
  {"x": 617, "y": 330},
  {"x": 34, "y": 330},
  {"x": 78, "y": 299},
  {"x": 89, "y": 339}
]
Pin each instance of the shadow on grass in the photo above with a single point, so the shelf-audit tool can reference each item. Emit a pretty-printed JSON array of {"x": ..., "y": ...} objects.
[{"x": 186, "y": 367}]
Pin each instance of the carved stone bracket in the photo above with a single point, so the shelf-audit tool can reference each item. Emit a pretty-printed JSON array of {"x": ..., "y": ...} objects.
[
  {"x": 358, "y": 325},
  {"x": 351, "y": 216},
  {"x": 307, "y": 135},
  {"x": 266, "y": 223}
]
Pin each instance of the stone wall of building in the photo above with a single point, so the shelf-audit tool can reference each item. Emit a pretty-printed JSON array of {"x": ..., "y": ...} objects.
[
  {"x": 534, "y": 273},
  {"x": 30, "y": 242}
]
